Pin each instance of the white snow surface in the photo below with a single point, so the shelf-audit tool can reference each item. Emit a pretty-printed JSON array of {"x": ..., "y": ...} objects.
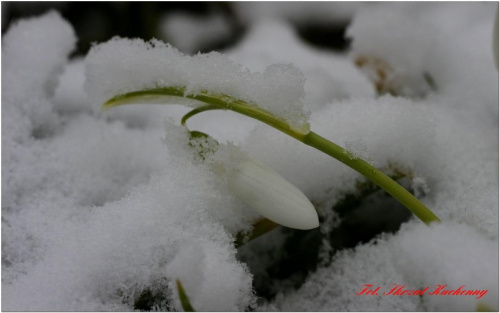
[{"x": 98, "y": 208}]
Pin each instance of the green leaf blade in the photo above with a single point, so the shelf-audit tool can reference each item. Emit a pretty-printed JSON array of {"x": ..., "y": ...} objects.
[{"x": 186, "y": 304}]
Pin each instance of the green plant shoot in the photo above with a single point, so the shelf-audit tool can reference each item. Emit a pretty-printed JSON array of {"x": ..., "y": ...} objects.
[{"x": 304, "y": 135}]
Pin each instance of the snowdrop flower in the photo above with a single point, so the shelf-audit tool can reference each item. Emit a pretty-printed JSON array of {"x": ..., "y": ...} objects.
[
  {"x": 254, "y": 183},
  {"x": 271, "y": 195}
]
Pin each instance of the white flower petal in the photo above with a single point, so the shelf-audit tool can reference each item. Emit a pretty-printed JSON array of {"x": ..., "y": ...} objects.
[{"x": 271, "y": 195}]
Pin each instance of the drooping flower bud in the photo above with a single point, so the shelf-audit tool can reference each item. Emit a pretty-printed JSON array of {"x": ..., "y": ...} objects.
[
  {"x": 255, "y": 184},
  {"x": 271, "y": 195}
]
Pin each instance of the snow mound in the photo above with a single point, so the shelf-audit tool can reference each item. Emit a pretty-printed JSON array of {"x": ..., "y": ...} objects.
[
  {"x": 123, "y": 65},
  {"x": 93, "y": 214},
  {"x": 127, "y": 247},
  {"x": 34, "y": 50},
  {"x": 453, "y": 255},
  {"x": 415, "y": 49},
  {"x": 33, "y": 54}
]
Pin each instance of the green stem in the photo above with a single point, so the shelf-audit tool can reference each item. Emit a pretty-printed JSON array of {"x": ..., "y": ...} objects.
[
  {"x": 193, "y": 112},
  {"x": 260, "y": 228},
  {"x": 241, "y": 107},
  {"x": 183, "y": 297},
  {"x": 372, "y": 173}
]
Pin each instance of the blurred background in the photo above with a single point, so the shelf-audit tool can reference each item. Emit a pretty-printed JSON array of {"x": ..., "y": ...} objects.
[{"x": 192, "y": 26}]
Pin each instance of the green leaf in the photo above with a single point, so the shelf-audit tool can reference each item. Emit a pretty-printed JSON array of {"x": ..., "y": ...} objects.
[
  {"x": 481, "y": 307},
  {"x": 260, "y": 228},
  {"x": 186, "y": 305},
  {"x": 193, "y": 112}
]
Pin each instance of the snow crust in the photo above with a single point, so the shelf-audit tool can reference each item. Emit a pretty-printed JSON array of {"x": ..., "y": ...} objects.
[{"x": 100, "y": 210}]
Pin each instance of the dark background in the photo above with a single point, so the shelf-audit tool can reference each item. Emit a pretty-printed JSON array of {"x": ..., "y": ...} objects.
[{"x": 100, "y": 21}]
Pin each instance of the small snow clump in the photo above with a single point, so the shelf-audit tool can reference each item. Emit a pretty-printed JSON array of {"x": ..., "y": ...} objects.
[{"x": 124, "y": 65}]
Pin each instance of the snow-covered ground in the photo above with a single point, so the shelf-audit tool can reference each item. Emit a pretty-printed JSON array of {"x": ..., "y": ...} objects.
[{"x": 104, "y": 211}]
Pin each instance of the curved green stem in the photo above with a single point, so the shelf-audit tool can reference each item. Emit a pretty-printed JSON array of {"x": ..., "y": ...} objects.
[
  {"x": 372, "y": 173},
  {"x": 193, "y": 112}
]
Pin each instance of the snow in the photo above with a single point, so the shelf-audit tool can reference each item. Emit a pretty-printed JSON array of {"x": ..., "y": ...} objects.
[
  {"x": 129, "y": 241},
  {"x": 464, "y": 258},
  {"x": 69, "y": 96},
  {"x": 26, "y": 66},
  {"x": 80, "y": 225},
  {"x": 100, "y": 210},
  {"x": 29, "y": 57},
  {"x": 324, "y": 12},
  {"x": 190, "y": 32},
  {"x": 330, "y": 76},
  {"x": 333, "y": 288},
  {"x": 417, "y": 39}
]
